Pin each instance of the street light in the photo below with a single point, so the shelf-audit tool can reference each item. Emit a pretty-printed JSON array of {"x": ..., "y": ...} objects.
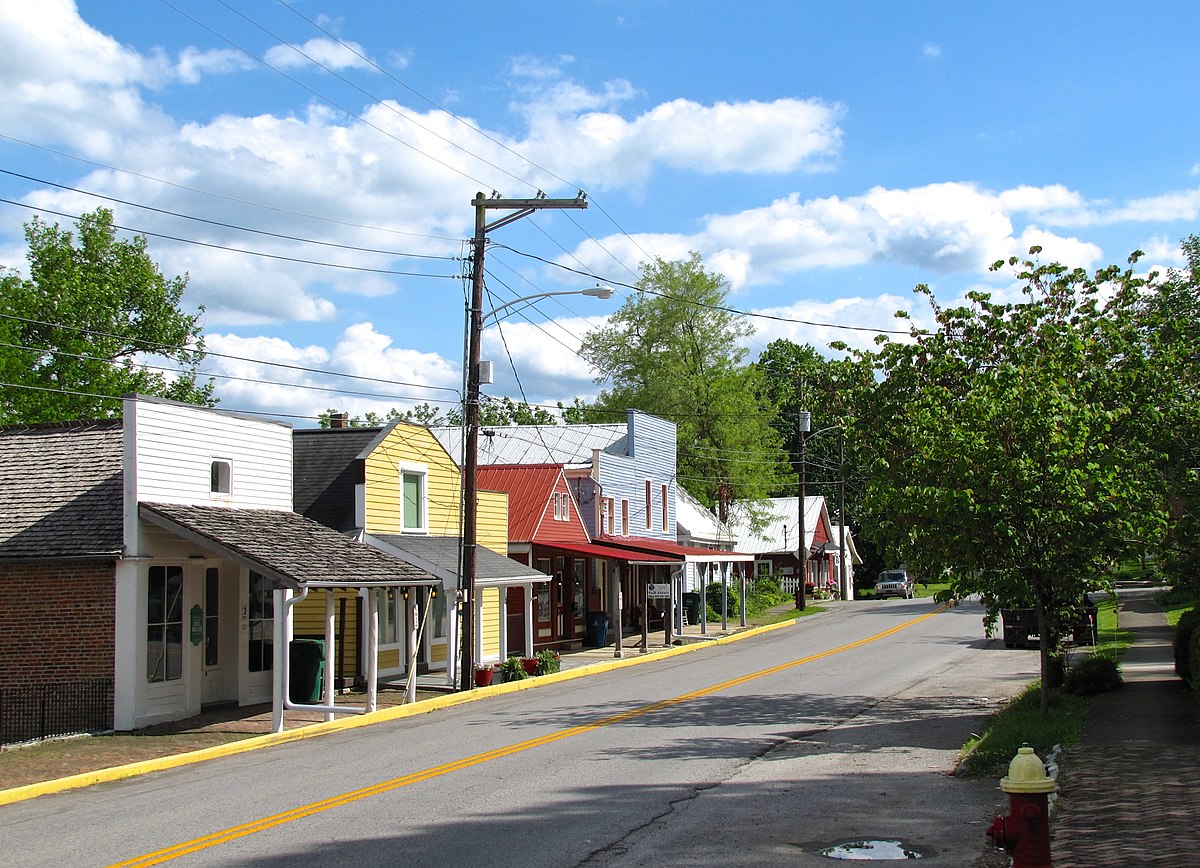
[{"x": 471, "y": 466}]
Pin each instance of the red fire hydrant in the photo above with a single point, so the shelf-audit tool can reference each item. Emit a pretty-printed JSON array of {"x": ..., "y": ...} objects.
[{"x": 1025, "y": 832}]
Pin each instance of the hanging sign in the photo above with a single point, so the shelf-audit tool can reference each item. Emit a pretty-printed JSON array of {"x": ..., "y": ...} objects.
[{"x": 658, "y": 590}]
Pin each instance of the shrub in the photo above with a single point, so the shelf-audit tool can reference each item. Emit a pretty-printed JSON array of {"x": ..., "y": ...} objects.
[
  {"x": 1188, "y": 622},
  {"x": 513, "y": 669},
  {"x": 1194, "y": 655},
  {"x": 713, "y": 595},
  {"x": 547, "y": 662},
  {"x": 1096, "y": 673}
]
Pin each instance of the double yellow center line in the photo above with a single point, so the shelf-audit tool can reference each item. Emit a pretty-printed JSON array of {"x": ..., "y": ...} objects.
[{"x": 261, "y": 825}]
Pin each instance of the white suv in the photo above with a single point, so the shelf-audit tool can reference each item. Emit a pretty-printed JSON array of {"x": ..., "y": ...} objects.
[{"x": 894, "y": 583}]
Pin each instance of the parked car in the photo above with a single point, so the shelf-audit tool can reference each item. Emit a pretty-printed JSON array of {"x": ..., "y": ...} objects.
[{"x": 894, "y": 583}]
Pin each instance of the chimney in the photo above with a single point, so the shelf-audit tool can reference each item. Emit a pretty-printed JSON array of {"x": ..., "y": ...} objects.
[{"x": 339, "y": 420}]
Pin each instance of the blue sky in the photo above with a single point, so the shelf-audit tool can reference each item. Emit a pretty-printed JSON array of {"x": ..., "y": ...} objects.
[{"x": 824, "y": 158}]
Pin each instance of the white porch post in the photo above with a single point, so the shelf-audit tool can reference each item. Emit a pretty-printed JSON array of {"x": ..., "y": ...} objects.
[
  {"x": 453, "y": 635},
  {"x": 503, "y": 621},
  {"x": 529, "y": 620},
  {"x": 372, "y": 648},
  {"x": 128, "y": 670},
  {"x": 329, "y": 638},
  {"x": 281, "y": 642},
  {"x": 412, "y": 621}
]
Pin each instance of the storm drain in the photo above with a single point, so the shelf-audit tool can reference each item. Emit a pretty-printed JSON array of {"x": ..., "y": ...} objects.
[{"x": 872, "y": 851}]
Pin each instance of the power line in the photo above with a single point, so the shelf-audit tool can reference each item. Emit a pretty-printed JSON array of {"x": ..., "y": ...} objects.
[
  {"x": 159, "y": 348},
  {"x": 224, "y": 225},
  {"x": 227, "y": 249}
]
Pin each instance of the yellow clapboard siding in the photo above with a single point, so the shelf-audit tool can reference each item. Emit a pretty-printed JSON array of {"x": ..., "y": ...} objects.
[
  {"x": 493, "y": 521},
  {"x": 411, "y": 445}
]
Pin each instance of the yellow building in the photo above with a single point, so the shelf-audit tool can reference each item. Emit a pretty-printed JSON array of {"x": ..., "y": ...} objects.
[{"x": 398, "y": 489}]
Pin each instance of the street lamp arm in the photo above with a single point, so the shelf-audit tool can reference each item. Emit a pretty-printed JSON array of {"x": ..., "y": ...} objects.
[{"x": 597, "y": 291}]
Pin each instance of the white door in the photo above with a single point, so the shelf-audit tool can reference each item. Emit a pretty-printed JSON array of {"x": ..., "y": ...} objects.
[{"x": 218, "y": 649}]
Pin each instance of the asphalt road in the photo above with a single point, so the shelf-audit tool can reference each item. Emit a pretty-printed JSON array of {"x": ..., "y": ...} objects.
[{"x": 759, "y": 752}]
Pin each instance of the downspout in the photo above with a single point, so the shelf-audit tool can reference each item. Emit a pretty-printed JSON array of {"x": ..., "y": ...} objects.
[{"x": 289, "y": 603}]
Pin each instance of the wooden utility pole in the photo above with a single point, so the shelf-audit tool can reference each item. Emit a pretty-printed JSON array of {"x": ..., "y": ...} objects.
[{"x": 466, "y": 582}]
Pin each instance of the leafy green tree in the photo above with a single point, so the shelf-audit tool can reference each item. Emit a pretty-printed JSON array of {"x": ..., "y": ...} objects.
[
  {"x": 493, "y": 412},
  {"x": 1172, "y": 324},
  {"x": 797, "y": 377},
  {"x": 1009, "y": 447},
  {"x": 96, "y": 319},
  {"x": 673, "y": 349}
]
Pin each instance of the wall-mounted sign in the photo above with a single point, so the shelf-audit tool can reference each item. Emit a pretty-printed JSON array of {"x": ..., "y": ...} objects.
[{"x": 196, "y": 623}]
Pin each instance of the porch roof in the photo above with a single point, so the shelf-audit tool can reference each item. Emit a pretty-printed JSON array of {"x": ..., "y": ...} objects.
[
  {"x": 285, "y": 546},
  {"x": 440, "y": 555},
  {"x": 676, "y": 552},
  {"x": 614, "y": 553}
]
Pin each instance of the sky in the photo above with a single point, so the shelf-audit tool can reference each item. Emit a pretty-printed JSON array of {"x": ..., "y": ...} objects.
[{"x": 311, "y": 166}]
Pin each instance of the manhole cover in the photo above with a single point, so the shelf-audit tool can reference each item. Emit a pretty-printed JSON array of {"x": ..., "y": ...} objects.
[{"x": 868, "y": 851}]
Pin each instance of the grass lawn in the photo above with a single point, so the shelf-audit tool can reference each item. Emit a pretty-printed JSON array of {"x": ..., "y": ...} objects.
[{"x": 1021, "y": 722}]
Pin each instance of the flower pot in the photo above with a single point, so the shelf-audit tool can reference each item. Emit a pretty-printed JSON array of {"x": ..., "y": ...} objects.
[
  {"x": 483, "y": 676},
  {"x": 530, "y": 664}
]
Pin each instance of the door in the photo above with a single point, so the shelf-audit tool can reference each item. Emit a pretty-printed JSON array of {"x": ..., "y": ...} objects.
[{"x": 218, "y": 648}]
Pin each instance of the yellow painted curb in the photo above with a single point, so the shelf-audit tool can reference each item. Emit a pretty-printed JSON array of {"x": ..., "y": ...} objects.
[{"x": 397, "y": 712}]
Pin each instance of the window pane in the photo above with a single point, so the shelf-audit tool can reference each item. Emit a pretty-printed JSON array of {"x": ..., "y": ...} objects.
[
  {"x": 412, "y": 501},
  {"x": 156, "y": 667},
  {"x": 174, "y": 594},
  {"x": 156, "y": 602}
]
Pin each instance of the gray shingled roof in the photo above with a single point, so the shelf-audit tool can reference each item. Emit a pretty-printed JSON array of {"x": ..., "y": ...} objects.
[
  {"x": 285, "y": 546},
  {"x": 324, "y": 473},
  {"x": 440, "y": 555},
  {"x": 62, "y": 490}
]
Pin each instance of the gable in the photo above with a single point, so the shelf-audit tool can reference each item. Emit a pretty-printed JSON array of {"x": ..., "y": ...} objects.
[{"x": 404, "y": 446}]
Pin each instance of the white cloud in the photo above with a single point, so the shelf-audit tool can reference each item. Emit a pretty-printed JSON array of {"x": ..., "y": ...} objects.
[
  {"x": 329, "y": 53},
  {"x": 194, "y": 64},
  {"x": 608, "y": 150},
  {"x": 942, "y": 228},
  {"x": 930, "y": 51}
]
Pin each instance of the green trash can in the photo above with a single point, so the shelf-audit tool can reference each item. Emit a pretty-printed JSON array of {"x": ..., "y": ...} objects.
[
  {"x": 306, "y": 670},
  {"x": 691, "y": 607}
]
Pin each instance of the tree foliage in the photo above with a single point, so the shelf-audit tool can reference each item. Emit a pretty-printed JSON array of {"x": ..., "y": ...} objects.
[
  {"x": 1172, "y": 325},
  {"x": 86, "y": 325},
  {"x": 798, "y": 378},
  {"x": 493, "y": 412},
  {"x": 1009, "y": 446},
  {"x": 674, "y": 350}
]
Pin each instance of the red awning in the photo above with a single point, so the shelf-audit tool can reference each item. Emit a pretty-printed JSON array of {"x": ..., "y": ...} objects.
[
  {"x": 613, "y": 553},
  {"x": 677, "y": 552}
]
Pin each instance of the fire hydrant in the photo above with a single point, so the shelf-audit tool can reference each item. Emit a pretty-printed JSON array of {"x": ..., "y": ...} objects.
[{"x": 1025, "y": 832}]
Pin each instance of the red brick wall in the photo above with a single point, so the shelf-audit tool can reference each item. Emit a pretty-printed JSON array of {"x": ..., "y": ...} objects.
[{"x": 57, "y": 622}]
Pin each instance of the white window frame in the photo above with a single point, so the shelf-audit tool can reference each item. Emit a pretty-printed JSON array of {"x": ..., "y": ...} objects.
[
  {"x": 215, "y": 491},
  {"x": 422, "y": 472}
]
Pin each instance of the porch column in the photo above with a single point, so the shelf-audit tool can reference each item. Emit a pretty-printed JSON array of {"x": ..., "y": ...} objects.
[
  {"x": 329, "y": 638},
  {"x": 281, "y": 623},
  {"x": 503, "y": 649},
  {"x": 528, "y": 589},
  {"x": 453, "y": 620},
  {"x": 372, "y": 648}
]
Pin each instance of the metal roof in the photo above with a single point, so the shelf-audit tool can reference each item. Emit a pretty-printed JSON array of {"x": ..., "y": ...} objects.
[{"x": 440, "y": 556}]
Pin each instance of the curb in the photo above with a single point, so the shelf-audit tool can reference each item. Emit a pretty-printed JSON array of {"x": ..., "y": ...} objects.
[{"x": 398, "y": 712}]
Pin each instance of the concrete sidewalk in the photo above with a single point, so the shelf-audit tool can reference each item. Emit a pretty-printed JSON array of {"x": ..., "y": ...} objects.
[{"x": 1130, "y": 791}]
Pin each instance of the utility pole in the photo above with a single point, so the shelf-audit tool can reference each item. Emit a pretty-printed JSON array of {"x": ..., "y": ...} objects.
[
  {"x": 803, "y": 422},
  {"x": 466, "y": 582},
  {"x": 846, "y": 591}
]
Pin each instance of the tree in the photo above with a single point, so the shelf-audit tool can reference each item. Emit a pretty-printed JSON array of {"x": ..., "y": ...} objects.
[
  {"x": 96, "y": 319},
  {"x": 1008, "y": 446},
  {"x": 493, "y": 413},
  {"x": 797, "y": 377},
  {"x": 1172, "y": 325},
  {"x": 673, "y": 350}
]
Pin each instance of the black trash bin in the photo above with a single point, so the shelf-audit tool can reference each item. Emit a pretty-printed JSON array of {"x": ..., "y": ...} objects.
[
  {"x": 306, "y": 670},
  {"x": 597, "y": 629},
  {"x": 691, "y": 607}
]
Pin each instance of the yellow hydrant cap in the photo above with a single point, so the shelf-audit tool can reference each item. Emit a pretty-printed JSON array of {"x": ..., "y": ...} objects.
[{"x": 1027, "y": 774}]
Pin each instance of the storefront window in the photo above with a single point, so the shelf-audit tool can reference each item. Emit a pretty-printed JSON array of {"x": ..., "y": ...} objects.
[{"x": 164, "y": 624}]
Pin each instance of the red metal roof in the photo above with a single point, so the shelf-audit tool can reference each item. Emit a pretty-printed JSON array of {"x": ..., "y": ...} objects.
[
  {"x": 530, "y": 489},
  {"x": 615, "y": 553}
]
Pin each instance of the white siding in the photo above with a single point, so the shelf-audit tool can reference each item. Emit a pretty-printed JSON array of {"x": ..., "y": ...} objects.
[{"x": 175, "y": 445}]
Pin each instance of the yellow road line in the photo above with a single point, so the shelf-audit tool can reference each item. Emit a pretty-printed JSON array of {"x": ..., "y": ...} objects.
[{"x": 260, "y": 825}]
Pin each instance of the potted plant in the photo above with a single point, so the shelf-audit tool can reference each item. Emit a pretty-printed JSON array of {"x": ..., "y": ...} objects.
[
  {"x": 547, "y": 662},
  {"x": 484, "y": 675},
  {"x": 513, "y": 670},
  {"x": 530, "y": 664}
]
